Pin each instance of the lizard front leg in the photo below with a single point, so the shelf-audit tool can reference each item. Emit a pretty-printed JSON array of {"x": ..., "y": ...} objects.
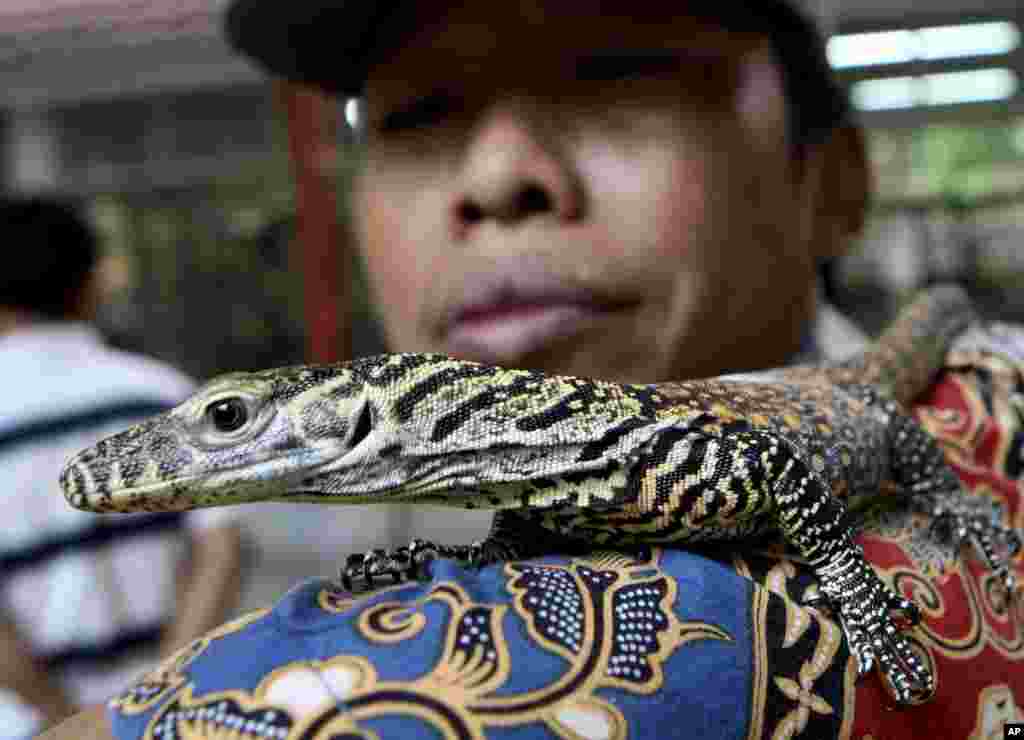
[
  {"x": 814, "y": 520},
  {"x": 717, "y": 482},
  {"x": 514, "y": 535}
]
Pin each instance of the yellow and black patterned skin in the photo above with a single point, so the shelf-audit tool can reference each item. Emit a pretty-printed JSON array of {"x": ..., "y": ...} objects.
[{"x": 576, "y": 462}]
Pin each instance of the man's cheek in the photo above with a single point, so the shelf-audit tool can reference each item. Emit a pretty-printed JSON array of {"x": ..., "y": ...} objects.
[
  {"x": 393, "y": 284},
  {"x": 409, "y": 265},
  {"x": 653, "y": 198},
  {"x": 681, "y": 214}
]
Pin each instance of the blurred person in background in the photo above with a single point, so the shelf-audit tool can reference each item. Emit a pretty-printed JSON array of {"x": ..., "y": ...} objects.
[
  {"x": 87, "y": 603},
  {"x": 643, "y": 193}
]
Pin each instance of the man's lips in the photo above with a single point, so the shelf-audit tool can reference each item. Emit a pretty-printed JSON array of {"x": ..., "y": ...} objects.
[
  {"x": 509, "y": 330},
  {"x": 518, "y": 303}
]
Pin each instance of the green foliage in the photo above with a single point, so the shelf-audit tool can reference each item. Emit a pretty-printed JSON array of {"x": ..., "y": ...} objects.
[{"x": 962, "y": 161}]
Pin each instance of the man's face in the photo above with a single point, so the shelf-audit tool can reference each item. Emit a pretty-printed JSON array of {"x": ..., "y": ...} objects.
[{"x": 605, "y": 195}]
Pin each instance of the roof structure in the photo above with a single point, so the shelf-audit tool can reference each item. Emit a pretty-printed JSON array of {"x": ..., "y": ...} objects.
[
  {"x": 31, "y": 17},
  {"x": 61, "y": 51},
  {"x": 28, "y": 27}
]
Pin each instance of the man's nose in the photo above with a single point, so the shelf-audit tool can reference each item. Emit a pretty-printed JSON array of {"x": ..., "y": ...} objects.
[{"x": 510, "y": 173}]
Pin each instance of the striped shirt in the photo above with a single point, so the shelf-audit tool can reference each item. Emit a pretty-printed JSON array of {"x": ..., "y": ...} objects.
[{"x": 90, "y": 594}]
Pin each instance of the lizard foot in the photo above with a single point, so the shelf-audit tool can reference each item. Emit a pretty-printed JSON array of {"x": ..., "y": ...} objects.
[
  {"x": 997, "y": 543},
  {"x": 872, "y": 618},
  {"x": 364, "y": 572}
]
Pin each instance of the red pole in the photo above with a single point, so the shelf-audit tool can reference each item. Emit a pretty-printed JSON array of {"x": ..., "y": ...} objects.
[{"x": 312, "y": 125}]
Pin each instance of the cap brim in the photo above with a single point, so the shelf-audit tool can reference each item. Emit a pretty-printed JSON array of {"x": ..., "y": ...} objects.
[
  {"x": 326, "y": 43},
  {"x": 331, "y": 43}
]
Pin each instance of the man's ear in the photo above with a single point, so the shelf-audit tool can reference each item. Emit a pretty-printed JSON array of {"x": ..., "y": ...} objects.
[
  {"x": 760, "y": 99},
  {"x": 839, "y": 180},
  {"x": 834, "y": 175}
]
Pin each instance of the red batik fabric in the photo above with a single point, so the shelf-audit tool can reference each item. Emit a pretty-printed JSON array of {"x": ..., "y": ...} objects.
[{"x": 971, "y": 636}]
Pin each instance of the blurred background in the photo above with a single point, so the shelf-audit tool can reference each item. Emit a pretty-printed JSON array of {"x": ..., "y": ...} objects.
[{"x": 193, "y": 167}]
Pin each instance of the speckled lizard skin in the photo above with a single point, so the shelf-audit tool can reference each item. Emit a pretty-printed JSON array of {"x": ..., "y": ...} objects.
[{"x": 570, "y": 462}]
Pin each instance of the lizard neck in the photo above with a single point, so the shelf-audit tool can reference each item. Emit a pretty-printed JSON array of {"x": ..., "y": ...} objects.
[{"x": 444, "y": 426}]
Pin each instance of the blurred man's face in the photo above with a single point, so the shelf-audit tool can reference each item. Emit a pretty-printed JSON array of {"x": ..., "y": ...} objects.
[{"x": 611, "y": 196}]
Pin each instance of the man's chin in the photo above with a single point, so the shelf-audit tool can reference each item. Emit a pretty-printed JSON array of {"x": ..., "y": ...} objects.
[{"x": 598, "y": 351}]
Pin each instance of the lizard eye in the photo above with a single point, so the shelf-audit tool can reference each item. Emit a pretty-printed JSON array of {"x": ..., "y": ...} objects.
[{"x": 228, "y": 414}]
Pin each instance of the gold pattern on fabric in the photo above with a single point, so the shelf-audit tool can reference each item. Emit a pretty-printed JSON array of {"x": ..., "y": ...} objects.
[
  {"x": 169, "y": 675},
  {"x": 996, "y": 707},
  {"x": 988, "y": 622},
  {"x": 336, "y": 600},
  {"x": 465, "y": 691},
  {"x": 759, "y": 651},
  {"x": 799, "y": 688}
]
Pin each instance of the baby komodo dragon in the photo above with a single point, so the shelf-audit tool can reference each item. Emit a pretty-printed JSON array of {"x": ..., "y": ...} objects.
[{"x": 568, "y": 461}]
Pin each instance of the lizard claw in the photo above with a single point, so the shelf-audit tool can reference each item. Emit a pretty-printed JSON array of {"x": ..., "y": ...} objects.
[{"x": 909, "y": 611}]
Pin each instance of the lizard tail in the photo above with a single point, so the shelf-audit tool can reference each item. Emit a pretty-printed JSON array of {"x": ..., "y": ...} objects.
[{"x": 904, "y": 360}]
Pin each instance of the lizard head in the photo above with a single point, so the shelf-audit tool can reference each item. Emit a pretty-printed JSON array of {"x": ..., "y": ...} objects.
[
  {"x": 392, "y": 427},
  {"x": 233, "y": 441}
]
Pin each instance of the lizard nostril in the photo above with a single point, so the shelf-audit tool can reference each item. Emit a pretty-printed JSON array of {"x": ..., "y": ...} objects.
[{"x": 68, "y": 479}]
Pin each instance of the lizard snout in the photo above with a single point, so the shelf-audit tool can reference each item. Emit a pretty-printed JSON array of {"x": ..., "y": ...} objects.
[{"x": 74, "y": 484}]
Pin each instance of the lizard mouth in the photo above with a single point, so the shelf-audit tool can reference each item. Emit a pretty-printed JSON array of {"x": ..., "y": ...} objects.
[
  {"x": 155, "y": 497},
  {"x": 186, "y": 492},
  {"x": 264, "y": 480}
]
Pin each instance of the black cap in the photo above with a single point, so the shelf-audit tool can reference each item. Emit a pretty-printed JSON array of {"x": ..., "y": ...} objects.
[
  {"x": 326, "y": 43},
  {"x": 331, "y": 43}
]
